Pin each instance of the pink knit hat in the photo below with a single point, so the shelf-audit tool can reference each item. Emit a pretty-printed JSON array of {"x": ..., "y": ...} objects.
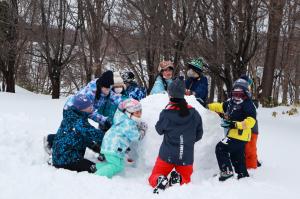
[{"x": 130, "y": 105}]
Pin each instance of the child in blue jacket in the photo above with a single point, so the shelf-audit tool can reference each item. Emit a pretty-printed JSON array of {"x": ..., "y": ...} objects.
[
  {"x": 133, "y": 90},
  {"x": 127, "y": 127},
  {"x": 196, "y": 83},
  {"x": 164, "y": 78},
  {"x": 74, "y": 135}
]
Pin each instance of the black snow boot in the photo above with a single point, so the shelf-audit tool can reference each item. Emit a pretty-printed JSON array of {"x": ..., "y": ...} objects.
[
  {"x": 162, "y": 183},
  {"x": 224, "y": 175},
  {"x": 242, "y": 175},
  {"x": 175, "y": 178}
]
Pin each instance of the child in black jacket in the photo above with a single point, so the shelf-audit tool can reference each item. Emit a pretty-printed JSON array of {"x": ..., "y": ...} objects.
[{"x": 181, "y": 126}]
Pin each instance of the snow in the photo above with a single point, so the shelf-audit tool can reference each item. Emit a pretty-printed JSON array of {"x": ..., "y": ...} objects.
[{"x": 26, "y": 117}]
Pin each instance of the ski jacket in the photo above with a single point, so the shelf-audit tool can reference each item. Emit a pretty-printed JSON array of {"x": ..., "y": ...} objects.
[
  {"x": 159, "y": 87},
  {"x": 180, "y": 135},
  {"x": 73, "y": 136},
  {"x": 200, "y": 87},
  {"x": 101, "y": 113},
  {"x": 118, "y": 138},
  {"x": 136, "y": 92},
  {"x": 243, "y": 114}
]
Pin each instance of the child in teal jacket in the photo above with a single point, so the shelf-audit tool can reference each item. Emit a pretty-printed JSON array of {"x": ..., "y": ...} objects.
[{"x": 127, "y": 127}]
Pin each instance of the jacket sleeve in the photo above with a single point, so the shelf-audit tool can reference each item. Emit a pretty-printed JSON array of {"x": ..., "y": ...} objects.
[
  {"x": 202, "y": 89},
  {"x": 133, "y": 133},
  {"x": 158, "y": 87},
  {"x": 216, "y": 107},
  {"x": 89, "y": 132},
  {"x": 95, "y": 116},
  {"x": 250, "y": 120},
  {"x": 199, "y": 129},
  {"x": 161, "y": 124}
]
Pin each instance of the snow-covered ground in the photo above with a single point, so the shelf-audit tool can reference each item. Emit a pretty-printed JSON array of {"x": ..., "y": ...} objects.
[{"x": 26, "y": 117}]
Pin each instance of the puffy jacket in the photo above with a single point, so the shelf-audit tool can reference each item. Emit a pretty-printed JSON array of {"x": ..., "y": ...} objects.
[
  {"x": 118, "y": 138},
  {"x": 73, "y": 136},
  {"x": 136, "y": 92},
  {"x": 243, "y": 114},
  {"x": 101, "y": 113},
  {"x": 159, "y": 87},
  {"x": 180, "y": 135},
  {"x": 200, "y": 87}
]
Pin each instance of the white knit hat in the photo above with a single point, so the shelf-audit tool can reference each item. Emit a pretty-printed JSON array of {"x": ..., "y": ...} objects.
[{"x": 118, "y": 81}]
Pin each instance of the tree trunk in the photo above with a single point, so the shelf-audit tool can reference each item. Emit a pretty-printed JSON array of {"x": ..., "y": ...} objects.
[
  {"x": 212, "y": 90},
  {"x": 275, "y": 18}
]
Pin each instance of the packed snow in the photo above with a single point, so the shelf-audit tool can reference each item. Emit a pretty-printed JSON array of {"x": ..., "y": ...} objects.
[{"x": 26, "y": 117}]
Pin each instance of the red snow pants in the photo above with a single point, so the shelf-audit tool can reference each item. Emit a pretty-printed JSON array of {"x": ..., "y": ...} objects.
[
  {"x": 163, "y": 168},
  {"x": 251, "y": 152}
]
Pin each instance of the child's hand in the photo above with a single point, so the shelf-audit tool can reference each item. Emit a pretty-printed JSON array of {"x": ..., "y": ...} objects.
[{"x": 142, "y": 127}]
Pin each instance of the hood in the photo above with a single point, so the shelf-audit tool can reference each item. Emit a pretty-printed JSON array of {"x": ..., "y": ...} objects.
[{"x": 173, "y": 115}]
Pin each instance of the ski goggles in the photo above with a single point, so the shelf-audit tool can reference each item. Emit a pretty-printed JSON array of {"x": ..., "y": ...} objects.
[{"x": 238, "y": 94}]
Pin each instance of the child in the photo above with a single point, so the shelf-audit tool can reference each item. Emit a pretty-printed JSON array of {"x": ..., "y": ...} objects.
[
  {"x": 127, "y": 127},
  {"x": 251, "y": 149},
  {"x": 74, "y": 135},
  {"x": 96, "y": 91},
  {"x": 164, "y": 78},
  {"x": 181, "y": 126},
  {"x": 197, "y": 84},
  {"x": 132, "y": 89},
  {"x": 240, "y": 117}
]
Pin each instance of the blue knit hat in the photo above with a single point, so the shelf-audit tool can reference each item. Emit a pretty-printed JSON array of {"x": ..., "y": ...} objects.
[{"x": 81, "y": 102}]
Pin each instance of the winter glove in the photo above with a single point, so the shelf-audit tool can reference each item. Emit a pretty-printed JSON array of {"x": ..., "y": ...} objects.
[
  {"x": 142, "y": 127},
  {"x": 228, "y": 124},
  {"x": 106, "y": 125}
]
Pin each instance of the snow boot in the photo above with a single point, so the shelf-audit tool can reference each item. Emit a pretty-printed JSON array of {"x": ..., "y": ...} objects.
[
  {"x": 175, "y": 178},
  {"x": 162, "y": 183},
  {"x": 224, "y": 175},
  {"x": 242, "y": 175},
  {"x": 46, "y": 145}
]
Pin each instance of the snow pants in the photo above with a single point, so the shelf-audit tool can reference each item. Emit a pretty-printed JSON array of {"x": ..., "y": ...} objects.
[
  {"x": 251, "y": 152},
  {"x": 231, "y": 152},
  {"x": 164, "y": 168},
  {"x": 111, "y": 167}
]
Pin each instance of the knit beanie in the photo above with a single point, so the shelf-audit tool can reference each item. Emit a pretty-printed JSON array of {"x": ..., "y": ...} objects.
[
  {"x": 81, "y": 102},
  {"x": 196, "y": 65},
  {"x": 118, "y": 81},
  {"x": 164, "y": 65},
  {"x": 128, "y": 77},
  {"x": 106, "y": 79},
  {"x": 177, "y": 88},
  {"x": 130, "y": 105}
]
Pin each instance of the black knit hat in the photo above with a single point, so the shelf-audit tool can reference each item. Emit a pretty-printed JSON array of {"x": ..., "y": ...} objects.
[
  {"x": 177, "y": 88},
  {"x": 106, "y": 79},
  {"x": 128, "y": 77}
]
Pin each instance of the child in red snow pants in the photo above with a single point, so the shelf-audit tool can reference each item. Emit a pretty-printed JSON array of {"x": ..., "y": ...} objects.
[{"x": 163, "y": 168}]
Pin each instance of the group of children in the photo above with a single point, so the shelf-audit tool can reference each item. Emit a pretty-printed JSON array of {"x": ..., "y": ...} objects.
[{"x": 112, "y": 101}]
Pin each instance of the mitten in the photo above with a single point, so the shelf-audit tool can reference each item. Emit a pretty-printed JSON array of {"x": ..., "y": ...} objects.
[{"x": 142, "y": 127}]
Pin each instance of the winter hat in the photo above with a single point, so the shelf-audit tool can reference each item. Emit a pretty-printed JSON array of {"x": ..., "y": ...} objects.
[
  {"x": 243, "y": 84},
  {"x": 106, "y": 79},
  {"x": 128, "y": 77},
  {"x": 177, "y": 88},
  {"x": 81, "y": 102},
  {"x": 196, "y": 65},
  {"x": 130, "y": 105},
  {"x": 118, "y": 81},
  {"x": 164, "y": 65}
]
